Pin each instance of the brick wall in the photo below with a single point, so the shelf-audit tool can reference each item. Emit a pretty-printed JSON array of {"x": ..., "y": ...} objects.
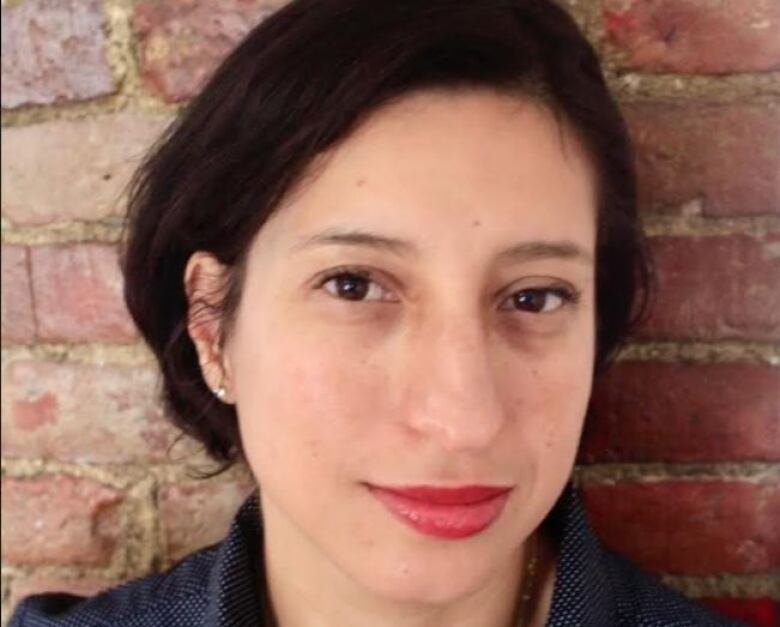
[{"x": 680, "y": 462}]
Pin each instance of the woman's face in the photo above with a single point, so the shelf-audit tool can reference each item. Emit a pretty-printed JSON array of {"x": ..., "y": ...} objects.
[{"x": 420, "y": 312}]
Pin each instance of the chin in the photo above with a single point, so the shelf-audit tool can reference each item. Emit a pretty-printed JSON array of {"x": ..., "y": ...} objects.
[{"x": 423, "y": 581}]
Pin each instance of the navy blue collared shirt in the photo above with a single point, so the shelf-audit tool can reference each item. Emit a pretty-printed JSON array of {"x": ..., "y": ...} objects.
[{"x": 224, "y": 586}]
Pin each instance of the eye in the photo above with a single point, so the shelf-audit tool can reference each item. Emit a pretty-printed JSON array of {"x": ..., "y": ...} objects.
[
  {"x": 354, "y": 285},
  {"x": 539, "y": 300}
]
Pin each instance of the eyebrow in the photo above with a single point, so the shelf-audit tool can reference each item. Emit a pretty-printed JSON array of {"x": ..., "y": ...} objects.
[
  {"x": 344, "y": 237},
  {"x": 521, "y": 252}
]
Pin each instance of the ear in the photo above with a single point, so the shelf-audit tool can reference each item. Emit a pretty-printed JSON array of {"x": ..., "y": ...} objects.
[{"x": 205, "y": 282}]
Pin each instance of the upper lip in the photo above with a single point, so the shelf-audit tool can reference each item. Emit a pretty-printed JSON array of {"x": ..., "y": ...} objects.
[{"x": 460, "y": 495}]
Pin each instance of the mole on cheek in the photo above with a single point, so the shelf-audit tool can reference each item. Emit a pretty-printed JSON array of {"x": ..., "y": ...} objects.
[
  {"x": 552, "y": 434},
  {"x": 313, "y": 446},
  {"x": 476, "y": 223}
]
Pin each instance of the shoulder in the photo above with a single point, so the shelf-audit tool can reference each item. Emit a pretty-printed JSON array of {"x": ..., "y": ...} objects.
[
  {"x": 175, "y": 598},
  {"x": 214, "y": 586},
  {"x": 596, "y": 586},
  {"x": 641, "y": 600}
]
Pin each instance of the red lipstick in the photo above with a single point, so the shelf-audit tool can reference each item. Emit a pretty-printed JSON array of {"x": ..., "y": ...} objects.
[{"x": 444, "y": 512}]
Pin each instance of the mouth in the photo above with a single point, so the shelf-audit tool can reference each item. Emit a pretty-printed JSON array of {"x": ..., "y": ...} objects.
[{"x": 449, "y": 513}]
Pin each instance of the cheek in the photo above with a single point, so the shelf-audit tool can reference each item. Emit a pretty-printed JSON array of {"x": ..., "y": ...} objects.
[
  {"x": 548, "y": 392},
  {"x": 304, "y": 401},
  {"x": 558, "y": 405}
]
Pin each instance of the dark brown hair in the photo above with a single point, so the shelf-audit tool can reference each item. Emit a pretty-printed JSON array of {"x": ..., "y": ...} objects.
[{"x": 297, "y": 85}]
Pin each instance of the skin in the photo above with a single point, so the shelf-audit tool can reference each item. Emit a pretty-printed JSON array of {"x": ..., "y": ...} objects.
[{"x": 438, "y": 376}]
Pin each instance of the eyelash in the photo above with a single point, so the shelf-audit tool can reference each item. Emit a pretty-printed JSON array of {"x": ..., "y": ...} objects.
[{"x": 567, "y": 295}]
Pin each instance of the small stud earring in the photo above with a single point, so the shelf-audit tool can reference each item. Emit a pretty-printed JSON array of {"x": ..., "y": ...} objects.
[{"x": 220, "y": 392}]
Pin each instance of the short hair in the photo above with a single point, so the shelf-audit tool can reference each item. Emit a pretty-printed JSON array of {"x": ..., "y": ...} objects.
[{"x": 297, "y": 85}]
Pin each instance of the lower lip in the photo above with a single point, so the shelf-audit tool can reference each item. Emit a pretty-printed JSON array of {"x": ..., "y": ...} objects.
[{"x": 443, "y": 521}]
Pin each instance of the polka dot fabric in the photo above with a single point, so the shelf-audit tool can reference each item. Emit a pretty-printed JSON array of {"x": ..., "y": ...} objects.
[
  {"x": 595, "y": 587},
  {"x": 223, "y": 586}
]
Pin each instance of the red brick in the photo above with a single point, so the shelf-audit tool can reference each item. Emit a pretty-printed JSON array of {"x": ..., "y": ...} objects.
[
  {"x": 181, "y": 43},
  {"x": 41, "y": 584},
  {"x": 18, "y": 321},
  {"x": 645, "y": 412},
  {"x": 78, "y": 294},
  {"x": 723, "y": 287},
  {"x": 719, "y": 160},
  {"x": 197, "y": 515},
  {"x": 86, "y": 164},
  {"x": 695, "y": 36},
  {"x": 59, "y": 520},
  {"x": 46, "y": 415},
  {"x": 689, "y": 527},
  {"x": 763, "y": 612},
  {"x": 53, "y": 50}
]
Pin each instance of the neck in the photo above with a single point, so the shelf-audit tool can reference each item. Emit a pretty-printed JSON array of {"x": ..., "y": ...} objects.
[{"x": 306, "y": 589}]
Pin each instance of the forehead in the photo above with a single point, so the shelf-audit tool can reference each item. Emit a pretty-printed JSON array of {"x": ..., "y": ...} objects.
[{"x": 437, "y": 164}]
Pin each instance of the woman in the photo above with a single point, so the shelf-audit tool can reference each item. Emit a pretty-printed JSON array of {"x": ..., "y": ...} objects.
[{"x": 379, "y": 259}]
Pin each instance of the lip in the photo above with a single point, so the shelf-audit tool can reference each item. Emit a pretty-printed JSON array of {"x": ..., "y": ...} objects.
[{"x": 450, "y": 513}]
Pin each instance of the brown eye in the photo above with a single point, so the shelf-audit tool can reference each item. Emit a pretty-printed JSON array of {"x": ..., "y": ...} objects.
[
  {"x": 349, "y": 286},
  {"x": 538, "y": 300},
  {"x": 354, "y": 286}
]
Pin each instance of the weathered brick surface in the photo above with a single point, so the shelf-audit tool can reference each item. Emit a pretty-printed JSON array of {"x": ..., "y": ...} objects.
[
  {"x": 40, "y": 584},
  {"x": 701, "y": 36},
  {"x": 52, "y": 51},
  {"x": 59, "y": 520},
  {"x": 763, "y": 612},
  {"x": 719, "y": 160},
  {"x": 723, "y": 287},
  {"x": 78, "y": 294},
  {"x": 647, "y": 412},
  {"x": 197, "y": 515},
  {"x": 181, "y": 43},
  {"x": 83, "y": 413},
  {"x": 85, "y": 164},
  {"x": 715, "y": 158},
  {"x": 18, "y": 322},
  {"x": 689, "y": 527}
]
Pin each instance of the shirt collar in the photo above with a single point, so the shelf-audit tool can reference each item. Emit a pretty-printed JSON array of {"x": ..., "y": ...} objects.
[
  {"x": 236, "y": 588},
  {"x": 581, "y": 595}
]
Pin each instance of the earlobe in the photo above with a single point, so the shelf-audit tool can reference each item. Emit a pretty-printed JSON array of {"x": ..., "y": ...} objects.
[
  {"x": 225, "y": 390},
  {"x": 205, "y": 279}
]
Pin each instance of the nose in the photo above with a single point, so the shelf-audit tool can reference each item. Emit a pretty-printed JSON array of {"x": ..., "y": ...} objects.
[{"x": 453, "y": 391}]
